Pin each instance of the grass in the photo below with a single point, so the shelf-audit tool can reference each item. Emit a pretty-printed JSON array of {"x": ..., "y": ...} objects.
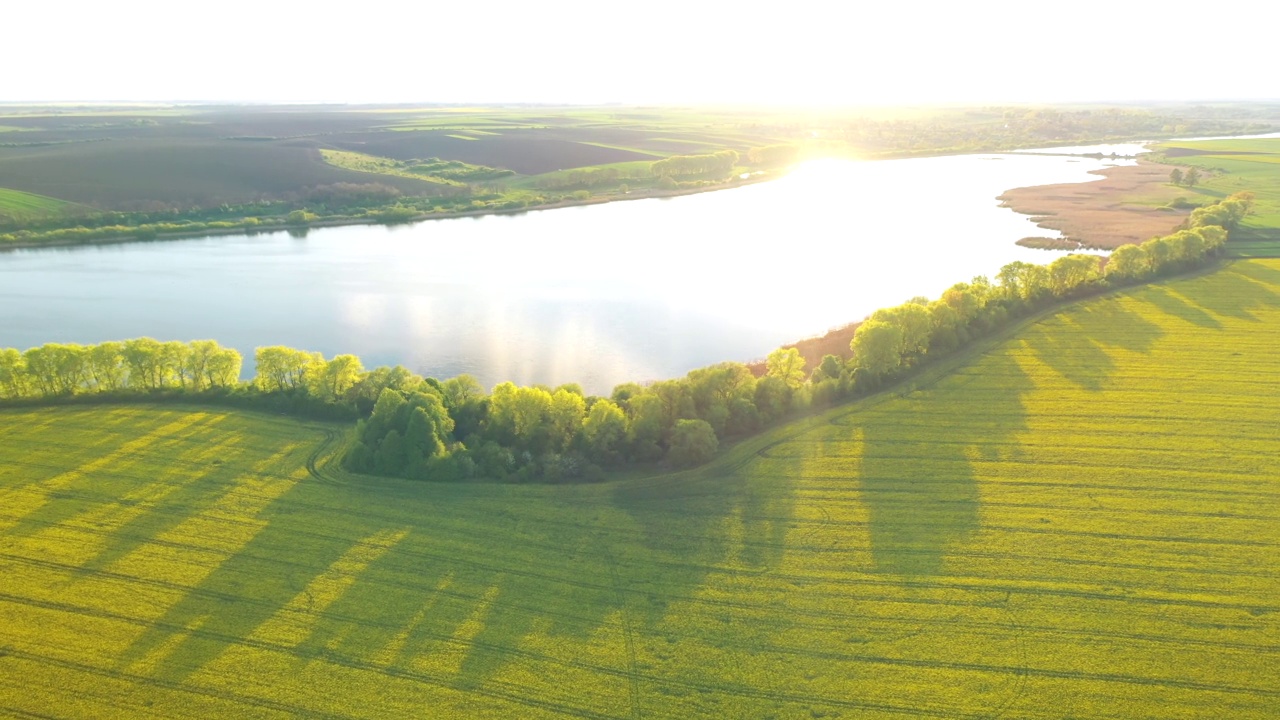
[
  {"x": 26, "y": 206},
  {"x": 1256, "y": 168},
  {"x": 1079, "y": 520},
  {"x": 373, "y": 164}
]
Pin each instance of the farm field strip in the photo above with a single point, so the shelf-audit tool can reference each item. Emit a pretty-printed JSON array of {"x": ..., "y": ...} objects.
[
  {"x": 1045, "y": 528},
  {"x": 23, "y": 205}
]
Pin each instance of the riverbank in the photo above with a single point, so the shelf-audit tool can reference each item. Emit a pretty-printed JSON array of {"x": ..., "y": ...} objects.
[
  {"x": 378, "y": 216},
  {"x": 1129, "y": 204},
  {"x": 264, "y": 228}
]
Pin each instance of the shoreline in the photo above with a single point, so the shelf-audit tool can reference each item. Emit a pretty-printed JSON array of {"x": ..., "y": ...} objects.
[
  {"x": 1127, "y": 204},
  {"x": 764, "y": 176},
  {"x": 1091, "y": 214}
]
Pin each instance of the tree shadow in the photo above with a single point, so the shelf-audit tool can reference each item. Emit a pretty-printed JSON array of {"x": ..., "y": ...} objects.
[
  {"x": 1260, "y": 272},
  {"x": 1253, "y": 286},
  {"x": 249, "y": 586},
  {"x": 89, "y": 497},
  {"x": 1076, "y": 343},
  {"x": 917, "y": 470},
  {"x": 1120, "y": 327},
  {"x": 1071, "y": 354},
  {"x": 1254, "y": 234},
  {"x": 1175, "y": 305}
]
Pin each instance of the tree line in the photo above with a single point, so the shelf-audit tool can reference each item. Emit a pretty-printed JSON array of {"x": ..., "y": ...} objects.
[
  {"x": 424, "y": 428},
  {"x": 453, "y": 430},
  {"x": 896, "y": 339},
  {"x": 718, "y": 163}
]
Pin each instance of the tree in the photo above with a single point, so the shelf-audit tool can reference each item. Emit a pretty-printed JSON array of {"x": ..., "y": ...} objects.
[
  {"x": 425, "y": 434},
  {"x": 13, "y": 373},
  {"x": 646, "y": 426},
  {"x": 107, "y": 366},
  {"x": 1071, "y": 272},
  {"x": 460, "y": 390},
  {"x": 1192, "y": 177},
  {"x": 564, "y": 416},
  {"x": 195, "y": 369},
  {"x": 369, "y": 388},
  {"x": 772, "y": 398},
  {"x": 1023, "y": 281},
  {"x": 385, "y": 414},
  {"x": 1159, "y": 254},
  {"x": 282, "y": 368},
  {"x": 172, "y": 357},
  {"x": 787, "y": 365},
  {"x": 714, "y": 389},
  {"x": 390, "y": 456},
  {"x": 518, "y": 416},
  {"x": 1175, "y": 176},
  {"x": 916, "y": 325},
  {"x": 604, "y": 430},
  {"x": 693, "y": 442},
  {"x": 223, "y": 369},
  {"x": 717, "y": 162},
  {"x": 334, "y": 378},
  {"x": 744, "y": 417},
  {"x": 142, "y": 355},
  {"x": 875, "y": 347},
  {"x": 1127, "y": 262},
  {"x": 56, "y": 369},
  {"x": 773, "y": 155},
  {"x": 831, "y": 368}
]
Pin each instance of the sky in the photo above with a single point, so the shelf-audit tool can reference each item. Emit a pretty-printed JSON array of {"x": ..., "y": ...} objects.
[{"x": 788, "y": 52}]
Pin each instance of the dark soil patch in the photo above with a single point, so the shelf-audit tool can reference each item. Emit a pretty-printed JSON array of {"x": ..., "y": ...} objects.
[{"x": 528, "y": 152}]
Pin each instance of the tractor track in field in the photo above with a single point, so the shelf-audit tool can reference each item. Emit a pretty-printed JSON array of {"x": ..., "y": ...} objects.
[{"x": 633, "y": 674}]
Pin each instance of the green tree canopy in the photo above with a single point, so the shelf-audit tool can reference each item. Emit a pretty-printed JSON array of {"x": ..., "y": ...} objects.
[
  {"x": 693, "y": 442},
  {"x": 876, "y": 346},
  {"x": 787, "y": 365}
]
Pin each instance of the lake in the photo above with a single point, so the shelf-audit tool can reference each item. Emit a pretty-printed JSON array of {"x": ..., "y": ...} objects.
[{"x": 599, "y": 295}]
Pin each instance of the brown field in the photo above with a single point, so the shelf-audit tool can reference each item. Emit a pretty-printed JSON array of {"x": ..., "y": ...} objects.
[
  {"x": 526, "y": 151},
  {"x": 1126, "y": 206}
]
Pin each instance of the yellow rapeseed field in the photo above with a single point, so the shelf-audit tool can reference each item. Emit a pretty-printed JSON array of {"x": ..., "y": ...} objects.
[{"x": 1080, "y": 520}]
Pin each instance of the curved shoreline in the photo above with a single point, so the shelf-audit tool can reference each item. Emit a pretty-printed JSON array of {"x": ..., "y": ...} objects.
[
  {"x": 764, "y": 176},
  {"x": 1096, "y": 214},
  {"x": 1127, "y": 204}
]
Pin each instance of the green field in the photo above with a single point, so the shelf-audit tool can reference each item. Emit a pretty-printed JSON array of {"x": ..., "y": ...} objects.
[
  {"x": 26, "y": 206},
  {"x": 1078, "y": 520},
  {"x": 1231, "y": 166}
]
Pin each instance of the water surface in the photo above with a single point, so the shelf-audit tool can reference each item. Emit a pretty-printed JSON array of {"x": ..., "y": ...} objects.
[{"x": 599, "y": 294}]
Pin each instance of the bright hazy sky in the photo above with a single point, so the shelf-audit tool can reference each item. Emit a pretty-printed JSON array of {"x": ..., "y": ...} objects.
[{"x": 647, "y": 51}]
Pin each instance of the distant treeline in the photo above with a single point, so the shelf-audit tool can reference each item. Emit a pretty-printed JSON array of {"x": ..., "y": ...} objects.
[
  {"x": 456, "y": 170},
  {"x": 1012, "y": 127},
  {"x": 424, "y": 428},
  {"x": 462, "y": 188},
  {"x": 773, "y": 155},
  {"x": 721, "y": 162},
  {"x": 287, "y": 380},
  {"x": 710, "y": 166},
  {"x": 586, "y": 178}
]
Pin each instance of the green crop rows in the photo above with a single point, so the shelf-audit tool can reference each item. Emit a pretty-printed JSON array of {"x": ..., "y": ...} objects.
[{"x": 1080, "y": 520}]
